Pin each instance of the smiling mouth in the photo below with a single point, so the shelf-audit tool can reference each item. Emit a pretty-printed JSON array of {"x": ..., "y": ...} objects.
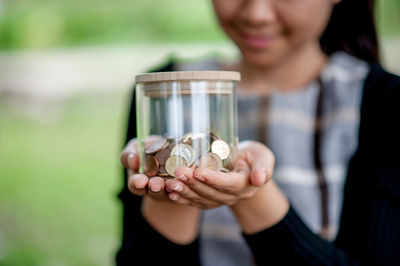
[{"x": 257, "y": 41}]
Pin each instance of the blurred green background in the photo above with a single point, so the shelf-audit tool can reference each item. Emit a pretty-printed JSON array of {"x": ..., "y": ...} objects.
[
  {"x": 66, "y": 72},
  {"x": 43, "y": 24},
  {"x": 54, "y": 23}
]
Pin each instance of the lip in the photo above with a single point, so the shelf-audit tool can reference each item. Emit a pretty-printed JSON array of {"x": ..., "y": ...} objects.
[{"x": 257, "y": 41}]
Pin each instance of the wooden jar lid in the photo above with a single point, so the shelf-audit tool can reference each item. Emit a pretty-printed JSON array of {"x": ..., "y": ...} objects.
[{"x": 188, "y": 75}]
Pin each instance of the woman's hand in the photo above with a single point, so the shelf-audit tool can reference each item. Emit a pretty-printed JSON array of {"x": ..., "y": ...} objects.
[
  {"x": 140, "y": 184},
  {"x": 178, "y": 223},
  {"x": 206, "y": 189}
]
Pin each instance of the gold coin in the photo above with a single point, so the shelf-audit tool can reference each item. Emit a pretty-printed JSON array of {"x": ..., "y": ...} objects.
[
  {"x": 187, "y": 138},
  {"x": 185, "y": 151},
  {"x": 173, "y": 163},
  {"x": 156, "y": 146},
  {"x": 151, "y": 165},
  {"x": 214, "y": 136},
  {"x": 220, "y": 148},
  {"x": 211, "y": 161}
]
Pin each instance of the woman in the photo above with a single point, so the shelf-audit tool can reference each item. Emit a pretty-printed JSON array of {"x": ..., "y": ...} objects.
[{"x": 326, "y": 110}]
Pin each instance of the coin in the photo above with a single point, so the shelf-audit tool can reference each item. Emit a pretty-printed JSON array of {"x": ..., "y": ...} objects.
[
  {"x": 156, "y": 146},
  {"x": 163, "y": 155},
  {"x": 223, "y": 169},
  {"x": 187, "y": 138},
  {"x": 171, "y": 141},
  {"x": 228, "y": 163},
  {"x": 220, "y": 148},
  {"x": 162, "y": 169},
  {"x": 151, "y": 165},
  {"x": 166, "y": 175},
  {"x": 173, "y": 163},
  {"x": 185, "y": 151},
  {"x": 200, "y": 143},
  {"x": 211, "y": 161},
  {"x": 214, "y": 136}
]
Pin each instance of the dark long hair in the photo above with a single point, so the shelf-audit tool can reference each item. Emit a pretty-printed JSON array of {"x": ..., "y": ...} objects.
[{"x": 352, "y": 29}]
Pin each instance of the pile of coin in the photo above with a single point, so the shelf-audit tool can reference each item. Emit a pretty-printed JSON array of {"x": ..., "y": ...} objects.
[{"x": 165, "y": 155}]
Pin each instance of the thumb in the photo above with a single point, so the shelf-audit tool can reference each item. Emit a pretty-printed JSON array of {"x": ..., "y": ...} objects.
[
  {"x": 261, "y": 161},
  {"x": 258, "y": 176}
]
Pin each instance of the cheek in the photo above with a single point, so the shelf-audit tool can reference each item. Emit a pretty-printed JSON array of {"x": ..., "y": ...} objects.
[
  {"x": 308, "y": 20},
  {"x": 226, "y": 10}
]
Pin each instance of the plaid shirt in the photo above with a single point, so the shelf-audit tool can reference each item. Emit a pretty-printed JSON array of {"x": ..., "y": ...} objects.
[{"x": 286, "y": 123}]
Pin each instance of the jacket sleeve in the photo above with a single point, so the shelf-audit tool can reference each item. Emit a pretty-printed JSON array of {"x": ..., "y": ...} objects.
[
  {"x": 141, "y": 244},
  {"x": 369, "y": 231}
]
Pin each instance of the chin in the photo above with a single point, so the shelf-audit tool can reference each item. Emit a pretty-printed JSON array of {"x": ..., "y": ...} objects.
[{"x": 260, "y": 59}]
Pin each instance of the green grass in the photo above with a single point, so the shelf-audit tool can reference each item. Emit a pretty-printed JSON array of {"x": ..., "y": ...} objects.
[{"x": 59, "y": 182}]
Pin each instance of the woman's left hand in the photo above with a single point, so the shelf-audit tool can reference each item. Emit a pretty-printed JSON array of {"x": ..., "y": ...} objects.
[{"x": 207, "y": 189}]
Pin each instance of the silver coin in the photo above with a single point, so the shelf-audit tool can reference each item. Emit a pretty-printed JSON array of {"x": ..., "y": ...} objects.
[
  {"x": 185, "y": 151},
  {"x": 220, "y": 148}
]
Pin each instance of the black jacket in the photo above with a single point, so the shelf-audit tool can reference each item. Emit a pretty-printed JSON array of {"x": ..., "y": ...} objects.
[{"x": 369, "y": 232}]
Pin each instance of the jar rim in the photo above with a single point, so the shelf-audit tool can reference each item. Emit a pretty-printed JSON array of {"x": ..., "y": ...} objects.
[{"x": 188, "y": 75}]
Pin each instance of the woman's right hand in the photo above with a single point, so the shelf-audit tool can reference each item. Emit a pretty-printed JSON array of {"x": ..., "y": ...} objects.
[
  {"x": 178, "y": 223},
  {"x": 140, "y": 184}
]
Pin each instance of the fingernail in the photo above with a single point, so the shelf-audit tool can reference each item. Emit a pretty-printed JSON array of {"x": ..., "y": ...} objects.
[
  {"x": 200, "y": 178},
  {"x": 178, "y": 187},
  {"x": 265, "y": 177},
  {"x": 182, "y": 178},
  {"x": 139, "y": 182},
  {"x": 156, "y": 188},
  {"x": 173, "y": 197}
]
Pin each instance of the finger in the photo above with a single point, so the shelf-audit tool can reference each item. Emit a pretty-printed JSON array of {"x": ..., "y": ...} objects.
[
  {"x": 176, "y": 198},
  {"x": 183, "y": 173},
  {"x": 231, "y": 182},
  {"x": 129, "y": 161},
  {"x": 208, "y": 192},
  {"x": 184, "y": 191},
  {"x": 156, "y": 188},
  {"x": 130, "y": 156},
  {"x": 156, "y": 184},
  {"x": 260, "y": 159},
  {"x": 137, "y": 184},
  {"x": 180, "y": 200},
  {"x": 133, "y": 162},
  {"x": 259, "y": 176}
]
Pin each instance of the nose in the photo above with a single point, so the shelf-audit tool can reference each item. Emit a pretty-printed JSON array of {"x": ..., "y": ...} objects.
[{"x": 258, "y": 12}]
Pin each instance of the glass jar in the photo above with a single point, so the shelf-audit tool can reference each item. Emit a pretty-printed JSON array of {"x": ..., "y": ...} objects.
[{"x": 186, "y": 118}]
